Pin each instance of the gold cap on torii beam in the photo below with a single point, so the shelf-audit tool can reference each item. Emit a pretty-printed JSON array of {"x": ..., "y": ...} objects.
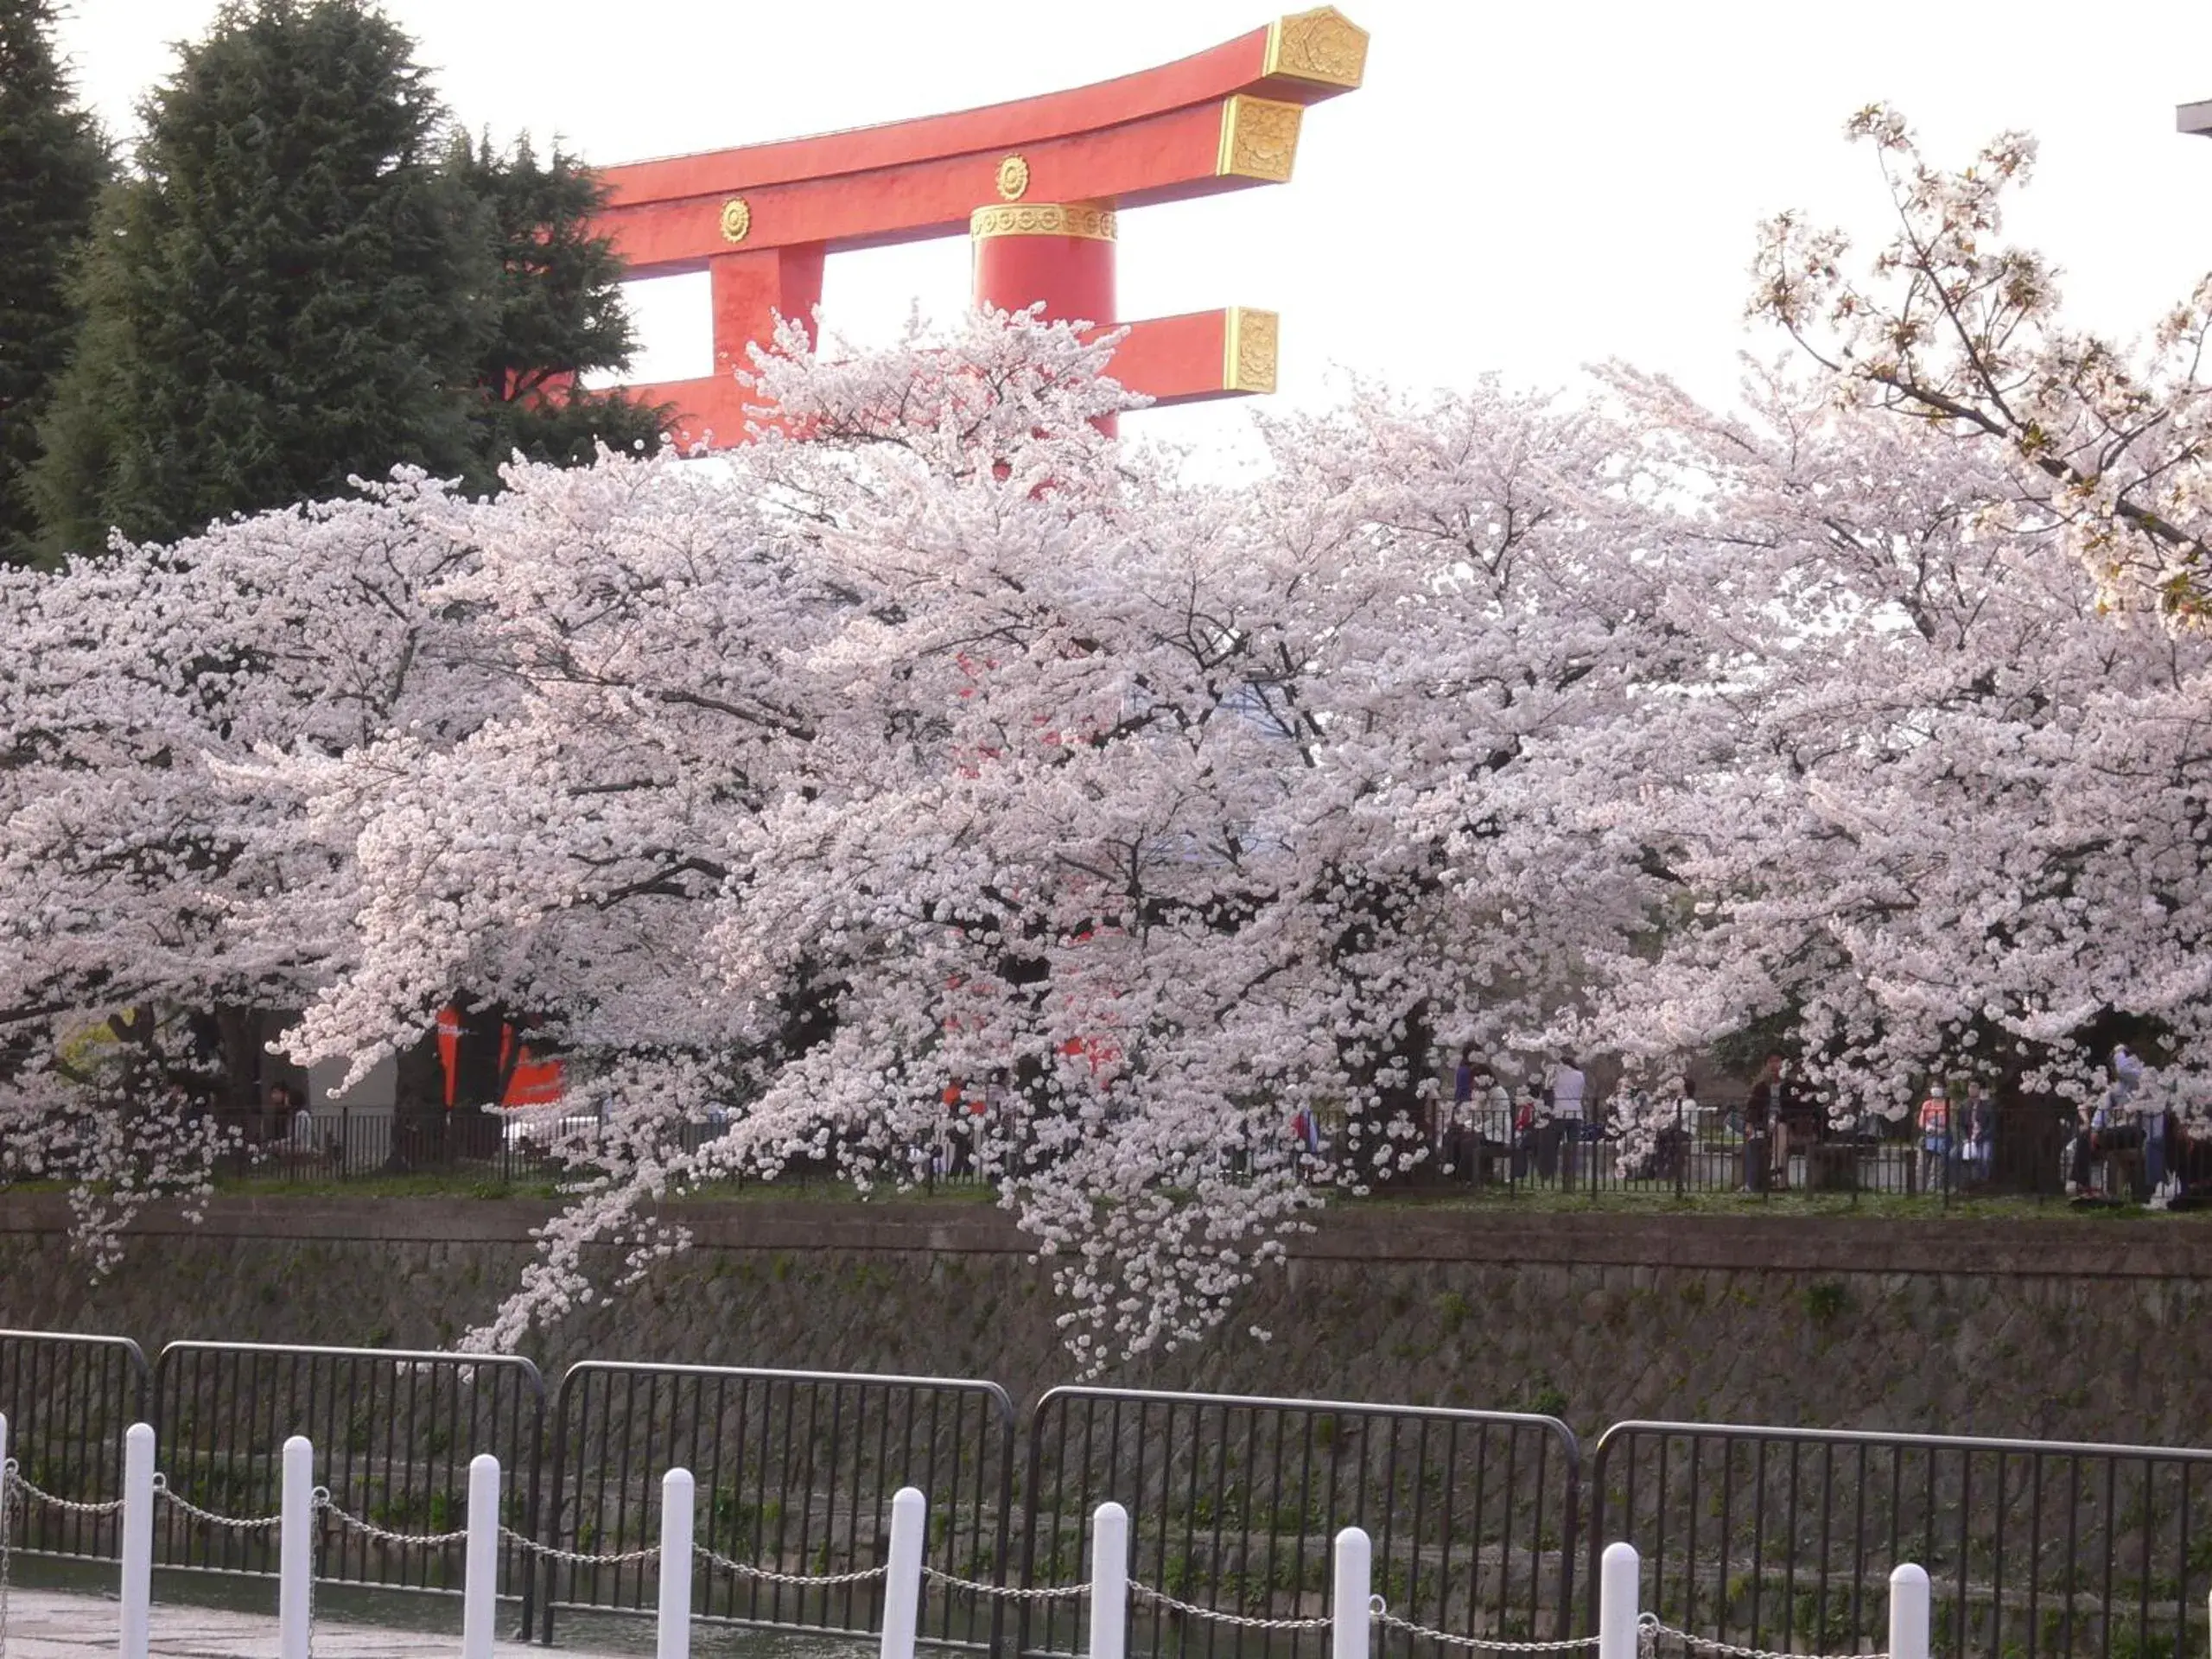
[{"x": 1322, "y": 47}]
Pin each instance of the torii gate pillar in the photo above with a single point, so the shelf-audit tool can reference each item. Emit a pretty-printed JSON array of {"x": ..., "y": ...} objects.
[
  {"x": 768, "y": 283},
  {"x": 1058, "y": 256},
  {"x": 1037, "y": 184}
]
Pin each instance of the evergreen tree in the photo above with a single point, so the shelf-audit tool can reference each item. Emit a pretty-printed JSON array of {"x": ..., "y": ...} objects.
[
  {"x": 558, "y": 314},
  {"x": 52, "y": 163},
  {"x": 291, "y": 290}
]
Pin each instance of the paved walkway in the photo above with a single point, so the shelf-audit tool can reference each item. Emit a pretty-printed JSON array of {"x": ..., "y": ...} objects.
[{"x": 47, "y": 1624}]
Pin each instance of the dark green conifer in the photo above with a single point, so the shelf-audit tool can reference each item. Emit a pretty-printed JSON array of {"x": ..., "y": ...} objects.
[
  {"x": 291, "y": 290},
  {"x": 52, "y": 163},
  {"x": 558, "y": 314}
]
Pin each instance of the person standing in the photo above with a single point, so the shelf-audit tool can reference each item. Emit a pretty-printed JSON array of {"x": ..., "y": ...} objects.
[
  {"x": 1766, "y": 1128},
  {"x": 1679, "y": 1139},
  {"x": 276, "y": 1114},
  {"x": 1935, "y": 1137},
  {"x": 2135, "y": 1091},
  {"x": 1481, "y": 1119},
  {"x": 1978, "y": 1123},
  {"x": 2111, "y": 1124},
  {"x": 1569, "y": 1091},
  {"x": 1450, "y": 1137},
  {"x": 1528, "y": 1133}
]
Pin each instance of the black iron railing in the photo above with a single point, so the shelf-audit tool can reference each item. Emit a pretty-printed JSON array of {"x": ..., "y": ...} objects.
[
  {"x": 1778, "y": 1539},
  {"x": 1233, "y": 1502},
  {"x": 68, "y": 1399},
  {"x": 1684, "y": 1149},
  {"x": 315, "y": 1148},
  {"x": 1680, "y": 1150},
  {"x": 393, "y": 1433},
  {"x": 795, "y": 1473},
  {"x": 1784, "y": 1538}
]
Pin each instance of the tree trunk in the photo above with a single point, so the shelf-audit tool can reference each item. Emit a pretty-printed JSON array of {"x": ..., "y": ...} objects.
[
  {"x": 418, "y": 1106},
  {"x": 238, "y": 1086}
]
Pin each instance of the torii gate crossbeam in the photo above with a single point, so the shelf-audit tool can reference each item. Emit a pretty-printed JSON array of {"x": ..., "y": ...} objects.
[{"x": 1036, "y": 184}]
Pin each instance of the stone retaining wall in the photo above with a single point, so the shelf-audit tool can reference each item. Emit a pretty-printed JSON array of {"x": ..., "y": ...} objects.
[{"x": 2061, "y": 1328}]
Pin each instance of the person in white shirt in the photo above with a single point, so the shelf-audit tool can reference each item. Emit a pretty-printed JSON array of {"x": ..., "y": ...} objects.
[
  {"x": 1568, "y": 1087},
  {"x": 2115, "y": 1123}
]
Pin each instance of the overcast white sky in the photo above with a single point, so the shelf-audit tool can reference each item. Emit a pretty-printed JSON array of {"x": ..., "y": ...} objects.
[{"x": 1524, "y": 187}]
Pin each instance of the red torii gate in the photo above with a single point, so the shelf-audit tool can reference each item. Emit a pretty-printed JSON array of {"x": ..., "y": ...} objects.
[{"x": 1035, "y": 183}]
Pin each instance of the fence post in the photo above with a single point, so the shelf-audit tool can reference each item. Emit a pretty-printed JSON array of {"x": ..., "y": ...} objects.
[
  {"x": 480, "y": 1592},
  {"x": 1909, "y": 1621},
  {"x": 295, "y": 1549},
  {"x": 137, "y": 1540},
  {"x": 1349, "y": 1606},
  {"x": 902, "y": 1581},
  {"x": 1110, "y": 1582},
  {"x": 673, "y": 1641},
  {"x": 1618, "y": 1594}
]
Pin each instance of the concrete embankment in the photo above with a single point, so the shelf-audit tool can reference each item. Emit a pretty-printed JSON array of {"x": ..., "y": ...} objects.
[{"x": 2057, "y": 1327}]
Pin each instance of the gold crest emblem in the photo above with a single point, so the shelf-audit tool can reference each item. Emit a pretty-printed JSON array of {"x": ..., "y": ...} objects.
[
  {"x": 737, "y": 220},
  {"x": 1014, "y": 178}
]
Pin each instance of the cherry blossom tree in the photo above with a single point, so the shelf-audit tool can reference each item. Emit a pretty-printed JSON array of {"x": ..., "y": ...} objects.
[
  {"x": 935, "y": 745},
  {"x": 936, "y": 775},
  {"x": 1949, "y": 818},
  {"x": 148, "y": 879},
  {"x": 1954, "y": 327}
]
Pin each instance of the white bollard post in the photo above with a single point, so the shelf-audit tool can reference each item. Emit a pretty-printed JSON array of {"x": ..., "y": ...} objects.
[
  {"x": 296, "y": 1551},
  {"x": 1348, "y": 1605},
  {"x": 1110, "y": 1582},
  {"x": 1909, "y": 1619},
  {"x": 902, "y": 1582},
  {"x": 675, "y": 1622},
  {"x": 1618, "y": 1591},
  {"x": 138, "y": 1541},
  {"x": 480, "y": 1598}
]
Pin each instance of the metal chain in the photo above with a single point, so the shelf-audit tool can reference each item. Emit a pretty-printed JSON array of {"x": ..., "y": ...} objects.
[
  {"x": 1006, "y": 1591},
  {"x": 744, "y": 1570},
  {"x": 576, "y": 1557},
  {"x": 1648, "y": 1630},
  {"x": 383, "y": 1535},
  {"x": 1192, "y": 1610},
  {"x": 72, "y": 1506},
  {"x": 650, "y": 1552},
  {"x": 1384, "y": 1617},
  {"x": 163, "y": 1494}
]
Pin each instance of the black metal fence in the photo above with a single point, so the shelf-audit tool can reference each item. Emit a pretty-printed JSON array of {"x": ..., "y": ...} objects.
[
  {"x": 311, "y": 1147},
  {"x": 795, "y": 1473},
  {"x": 1693, "y": 1148},
  {"x": 69, "y": 1399},
  {"x": 1688, "y": 1149},
  {"x": 1784, "y": 1538},
  {"x": 393, "y": 1432},
  {"x": 1776, "y": 1538},
  {"x": 1233, "y": 1503}
]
